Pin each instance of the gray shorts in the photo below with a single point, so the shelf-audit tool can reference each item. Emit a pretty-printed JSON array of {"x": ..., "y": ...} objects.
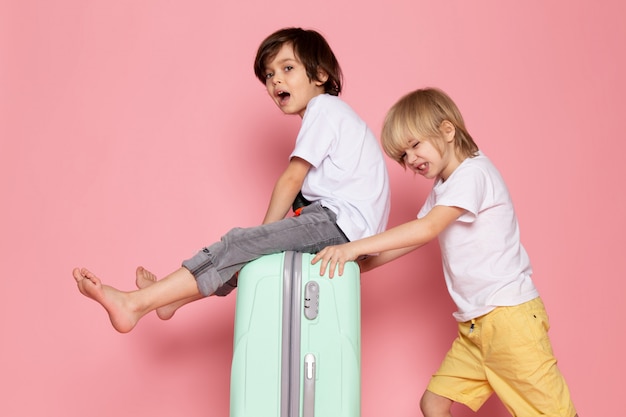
[{"x": 215, "y": 266}]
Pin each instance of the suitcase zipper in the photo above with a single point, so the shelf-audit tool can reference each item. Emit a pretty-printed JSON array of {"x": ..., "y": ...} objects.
[{"x": 290, "y": 367}]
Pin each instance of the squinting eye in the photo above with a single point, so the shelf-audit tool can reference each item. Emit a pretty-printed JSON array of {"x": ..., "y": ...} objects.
[{"x": 403, "y": 156}]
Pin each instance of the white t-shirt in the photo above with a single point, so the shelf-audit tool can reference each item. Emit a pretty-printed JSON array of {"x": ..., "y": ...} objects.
[
  {"x": 348, "y": 174},
  {"x": 484, "y": 262}
]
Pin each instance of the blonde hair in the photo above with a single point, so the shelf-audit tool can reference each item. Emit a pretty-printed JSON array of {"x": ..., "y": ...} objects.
[{"x": 419, "y": 115}]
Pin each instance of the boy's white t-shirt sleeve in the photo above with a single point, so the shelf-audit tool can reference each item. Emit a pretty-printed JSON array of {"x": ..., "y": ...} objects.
[
  {"x": 315, "y": 139},
  {"x": 466, "y": 189}
]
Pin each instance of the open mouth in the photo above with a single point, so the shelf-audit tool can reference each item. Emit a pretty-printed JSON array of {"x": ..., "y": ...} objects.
[
  {"x": 283, "y": 96},
  {"x": 422, "y": 168}
]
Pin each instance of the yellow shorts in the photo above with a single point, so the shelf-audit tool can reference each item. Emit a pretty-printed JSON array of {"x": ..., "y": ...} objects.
[{"x": 506, "y": 351}]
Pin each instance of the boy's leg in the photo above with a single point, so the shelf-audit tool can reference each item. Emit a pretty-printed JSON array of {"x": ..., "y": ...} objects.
[
  {"x": 460, "y": 378},
  {"x": 310, "y": 232},
  {"x": 521, "y": 366},
  {"x": 125, "y": 309},
  {"x": 216, "y": 264},
  {"x": 145, "y": 278},
  {"x": 433, "y": 405}
]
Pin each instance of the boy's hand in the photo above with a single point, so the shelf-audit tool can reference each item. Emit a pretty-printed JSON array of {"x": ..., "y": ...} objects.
[{"x": 333, "y": 257}]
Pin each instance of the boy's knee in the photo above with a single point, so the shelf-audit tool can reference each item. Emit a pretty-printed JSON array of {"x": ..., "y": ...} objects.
[{"x": 433, "y": 405}]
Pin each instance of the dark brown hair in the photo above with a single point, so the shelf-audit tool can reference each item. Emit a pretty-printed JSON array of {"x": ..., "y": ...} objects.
[{"x": 310, "y": 48}]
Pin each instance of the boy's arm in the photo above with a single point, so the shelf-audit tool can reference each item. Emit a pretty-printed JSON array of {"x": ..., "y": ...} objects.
[
  {"x": 286, "y": 188},
  {"x": 391, "y": 243},
  {"x": 372, "y": 262}
]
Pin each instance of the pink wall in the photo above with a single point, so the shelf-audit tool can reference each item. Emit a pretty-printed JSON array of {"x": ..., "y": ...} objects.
[{"x": 135, "y": 132}]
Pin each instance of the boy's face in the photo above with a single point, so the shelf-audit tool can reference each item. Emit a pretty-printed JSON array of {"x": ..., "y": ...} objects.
[
  {"x": 288, "y": 84},
  {"x": 423, "y": 158}
]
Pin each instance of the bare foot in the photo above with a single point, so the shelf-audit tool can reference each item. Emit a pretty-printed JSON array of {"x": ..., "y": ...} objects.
[
  {"x": 145, "y": 278},
  {"x": 117, "y": 303}
]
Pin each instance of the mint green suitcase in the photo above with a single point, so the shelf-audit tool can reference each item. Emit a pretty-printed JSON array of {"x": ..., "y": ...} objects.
[{"x": 297, "y": 347}]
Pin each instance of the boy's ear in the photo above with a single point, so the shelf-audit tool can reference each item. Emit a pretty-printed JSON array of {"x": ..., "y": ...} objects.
[
  {"x": 448, "y": 130},
  {"x": 322, "y": 76}
]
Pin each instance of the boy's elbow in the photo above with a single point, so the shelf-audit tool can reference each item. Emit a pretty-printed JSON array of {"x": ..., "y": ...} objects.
[{"x": 365, "y": 265}]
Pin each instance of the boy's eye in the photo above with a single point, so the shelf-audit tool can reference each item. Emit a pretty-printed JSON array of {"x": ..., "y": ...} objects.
[
  {"x": 288, "y": 68},
  {"x": 268, "y": 75},
  {"x": 411, "y": 145}
]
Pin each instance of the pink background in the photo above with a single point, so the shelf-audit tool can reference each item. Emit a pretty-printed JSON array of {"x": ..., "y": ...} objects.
[{"x": 134, "y": 132}]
